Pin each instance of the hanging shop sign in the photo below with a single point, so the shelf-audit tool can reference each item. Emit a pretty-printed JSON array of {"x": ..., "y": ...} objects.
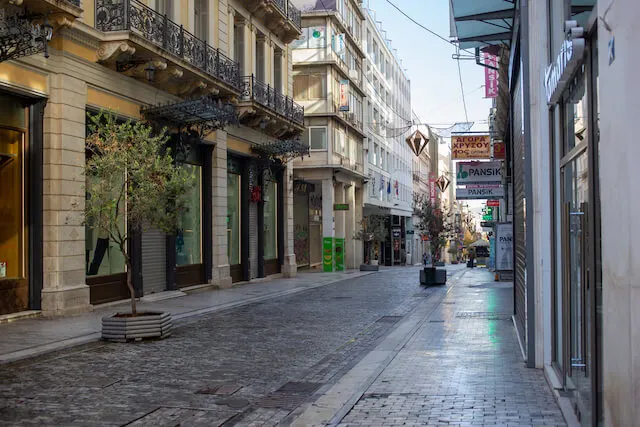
[
  {"x": 480, "y": 192},
  {"x": 504, "y": 246},
  {"x": 561, "y": 71},
  {"x": 499, "y": 150},
  {"x": 433, "y": 195},
  {"x": 469, "y": 147},
  {"x": 490, "y": 75},
  {"x": 340, "y": 206},
  {"x": 493, "y": 203},
  {"x": 344, "y": 95},
  {"x": 479, "y": 173}
]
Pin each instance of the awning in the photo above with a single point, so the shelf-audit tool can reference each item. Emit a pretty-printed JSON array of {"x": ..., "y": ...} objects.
[
  {"x": 204, "y": 114},
  {"x": 479, "y": 23}
]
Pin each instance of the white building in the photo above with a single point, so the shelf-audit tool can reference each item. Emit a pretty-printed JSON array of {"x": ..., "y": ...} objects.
[{"x": 387, "y": 112}]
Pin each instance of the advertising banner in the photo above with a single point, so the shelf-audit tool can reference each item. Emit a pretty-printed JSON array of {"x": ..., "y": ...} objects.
[
  {"x": 471, "y": 147},
  {"x": 490, "y": 76},
  {"x": 479, "y": 173},
  {"x": 504, "y": 246},
  {"x": 344, "y": 95},
  {"x": 327, "y": 254},
  {"x": 480, "y": 192},
  {"x": 433, "y": 194}
]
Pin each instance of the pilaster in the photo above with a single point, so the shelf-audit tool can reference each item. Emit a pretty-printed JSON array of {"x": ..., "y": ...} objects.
[
  {"x": 220, "y": 275},
  {"x": 290, "y": 266},
  {"x": 64, "y": 290}
]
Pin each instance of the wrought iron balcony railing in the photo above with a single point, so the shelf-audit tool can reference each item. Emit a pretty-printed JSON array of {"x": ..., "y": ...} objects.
[
  {"x": 271, "y": 98},
  {"x": 294, "y": 14},
  {"x": 134, "y": 16}
]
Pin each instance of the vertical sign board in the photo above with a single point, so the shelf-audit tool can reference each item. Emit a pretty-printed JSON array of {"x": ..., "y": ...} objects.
[
  {"x": 344, "y": 95},
  {"x": 327, "y": 254},
  {"x": 433, "y": 195},
  {"x": 504, "y": 246},
  {"x": 490, "y": 75},
  {"x": 339, "y": 254}
]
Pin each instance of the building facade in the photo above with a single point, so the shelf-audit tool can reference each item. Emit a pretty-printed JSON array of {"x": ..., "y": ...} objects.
[
  {"x": 575, "y": 287},
  {"x": 388, "y": 117},
  {"x": 329, "y": 183},
  {"x": 218, "y": 74}
]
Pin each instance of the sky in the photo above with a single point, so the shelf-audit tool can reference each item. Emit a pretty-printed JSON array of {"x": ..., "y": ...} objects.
[{"x": 435, "y": 84}]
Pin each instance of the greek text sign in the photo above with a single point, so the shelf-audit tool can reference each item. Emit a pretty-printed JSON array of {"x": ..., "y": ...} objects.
[
  {"x": 479, "y": 192},
  {"x": 478, "y": 173},
  {"x": 470, "y": 147}
]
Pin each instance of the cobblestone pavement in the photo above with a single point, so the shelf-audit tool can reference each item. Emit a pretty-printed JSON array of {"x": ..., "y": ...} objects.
[
  {"x": 246, "y": 366},
  {"x": 462, "y": 367}
]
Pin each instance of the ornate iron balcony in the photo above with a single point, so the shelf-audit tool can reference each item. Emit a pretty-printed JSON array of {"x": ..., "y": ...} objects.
[
  {"x": 269, "y": 97},
  {"x": 294, "y": 14},
  {"x": 134, "y": 16}
]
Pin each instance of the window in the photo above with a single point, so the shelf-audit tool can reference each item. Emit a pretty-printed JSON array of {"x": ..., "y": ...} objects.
[
  {"x": 260, "y": 58},
  {"x": 189, "y": 236},
  {"x": 317, "y": 137},
  {"x": 165, "y": 7},
  {"x": 277, "y": 70},
  {"x": 201, "y": 22},
  {"x": 238, "y": 46},
  {"x": 311, "y": 86}
]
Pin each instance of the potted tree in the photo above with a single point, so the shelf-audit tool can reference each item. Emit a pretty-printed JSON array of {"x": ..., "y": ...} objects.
[
  {"x": 132, "y": 182},
  {"x": 434, "y": 221},
  {"x": 372, "y": 230}
]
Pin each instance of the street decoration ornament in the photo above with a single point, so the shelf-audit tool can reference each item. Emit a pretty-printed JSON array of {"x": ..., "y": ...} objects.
[
  {"x": 443, "y": 183},
  {"x": 417, "y": 141},
  {"x": 20, "y": 36}
]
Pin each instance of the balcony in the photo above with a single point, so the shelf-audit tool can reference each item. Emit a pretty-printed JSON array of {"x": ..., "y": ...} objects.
[
  {"x": 141, "y": 38},
  {"x": 57, "y": 10},
  {"x": 280, "y": 16},
  {"x": 262, "y": 106}
]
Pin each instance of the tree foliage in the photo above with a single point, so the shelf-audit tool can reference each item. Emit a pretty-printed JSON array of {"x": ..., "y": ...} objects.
[
  {"x": 435, "y": 221},
  {"x": 132, "y": 182}
]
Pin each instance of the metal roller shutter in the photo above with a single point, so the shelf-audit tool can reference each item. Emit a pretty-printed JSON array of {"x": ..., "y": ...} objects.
[
  {"x": 154, "y": 261},
  {"x": 253, "y": 240},
  {"x": 519, "y": 218}
]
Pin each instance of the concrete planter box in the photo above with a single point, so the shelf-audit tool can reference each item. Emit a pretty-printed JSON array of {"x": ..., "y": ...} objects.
[
  {"x": 433, "y": 276},
  {"x": 367, "y": 267},
  {"x": 121, "y": 328}
]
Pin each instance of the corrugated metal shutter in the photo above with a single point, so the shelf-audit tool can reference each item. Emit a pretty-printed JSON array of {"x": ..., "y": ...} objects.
[
  {"x": 301, "y": 229},
  {"x": 253, "y": 240},
  {"x": 519, "y": 218},
  {"x": 154, "y": 262}
]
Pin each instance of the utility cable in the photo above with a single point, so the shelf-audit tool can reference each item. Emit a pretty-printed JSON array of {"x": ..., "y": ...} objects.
[
  {"x": 427, "y": 29},
  {"x": 464, "y": 101}
]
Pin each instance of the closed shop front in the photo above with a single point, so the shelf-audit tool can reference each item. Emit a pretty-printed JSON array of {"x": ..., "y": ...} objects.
[
  {"x": 235, "y": 219},
  {"x": 154, "y": 261},
  {"x": 301, "y": 214}
]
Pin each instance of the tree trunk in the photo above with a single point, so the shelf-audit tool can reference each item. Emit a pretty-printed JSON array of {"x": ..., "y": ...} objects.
[{"x": 132, "y": 292}]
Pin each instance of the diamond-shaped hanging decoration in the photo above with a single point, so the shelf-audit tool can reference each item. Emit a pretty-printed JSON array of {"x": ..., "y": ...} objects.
[
  {"x": 417, "y": 141},
  {"x": 443, "y": 183}
]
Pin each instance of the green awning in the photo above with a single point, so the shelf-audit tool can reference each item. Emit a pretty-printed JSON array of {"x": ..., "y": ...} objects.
[{"x": 480, "y": 23}]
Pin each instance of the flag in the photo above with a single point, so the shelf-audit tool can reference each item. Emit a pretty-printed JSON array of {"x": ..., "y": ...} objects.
[
  {"x": 397, "y": 188},
  {"x": 382, "y": 183},
  {"x": 389, "y": 187}
]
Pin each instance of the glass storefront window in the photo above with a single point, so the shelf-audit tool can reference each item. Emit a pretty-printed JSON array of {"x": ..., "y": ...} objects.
[
  {"x": 103, "y": 256},
  {"x": 271, "y": 220},
  {"x": 189, "y": 235},
  {"x": 12, "y": 209},
  {"x": 233, "y": 218}
]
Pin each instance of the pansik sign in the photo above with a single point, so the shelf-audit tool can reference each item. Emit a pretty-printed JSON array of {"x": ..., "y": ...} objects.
[
  {"x": 490, "y": 75},
  {"x": 465, "y": 147},
  {"x": 480, "y": 192},
  {"x": 479, "y": 173},
  {"x": 504, "y": 246},
  {"x": 560, "y": 71}
]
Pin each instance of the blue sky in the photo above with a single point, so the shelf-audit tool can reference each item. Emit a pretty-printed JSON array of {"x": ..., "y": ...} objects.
[{"x": 435, "y": 85}]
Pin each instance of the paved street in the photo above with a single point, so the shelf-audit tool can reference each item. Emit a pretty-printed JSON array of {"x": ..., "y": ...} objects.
[{"x": 373, "y": 350}]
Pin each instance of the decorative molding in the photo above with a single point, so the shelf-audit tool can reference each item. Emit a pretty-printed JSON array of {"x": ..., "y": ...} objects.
[{"x": 111, "y": 51}]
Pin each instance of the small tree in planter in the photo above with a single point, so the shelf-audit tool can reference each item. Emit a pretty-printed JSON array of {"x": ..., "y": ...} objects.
[
  {"x": 434, "y": 221},
  {"x": 132, "y": 183},
  {"x": 372, "y": 230}
]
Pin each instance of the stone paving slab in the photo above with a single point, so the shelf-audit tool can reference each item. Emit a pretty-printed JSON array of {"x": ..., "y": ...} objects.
[
  {"x": 463, "y": 367},
  {"x": 35, "y": 336}
]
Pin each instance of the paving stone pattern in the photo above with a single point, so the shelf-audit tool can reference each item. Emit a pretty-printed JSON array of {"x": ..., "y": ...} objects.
[
  {"x": 221, "y": 368},
  {"x": 464, "y": 367}
]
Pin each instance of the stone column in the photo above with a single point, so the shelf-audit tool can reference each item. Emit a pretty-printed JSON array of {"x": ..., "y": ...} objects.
[
  {"x": 64, "y": 290},
  {"x": 220, "y": 275},
  {"x": 350, "y": 228},
  {"x": 339, "y": 216},
  {"x": 289, "y": 265}
]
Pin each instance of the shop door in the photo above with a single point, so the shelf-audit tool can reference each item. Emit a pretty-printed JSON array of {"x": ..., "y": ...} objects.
[
  {"x": 189, "y": 254},
  {"x": 578, "y": 288},
  {"x": 234, "y": 234}
]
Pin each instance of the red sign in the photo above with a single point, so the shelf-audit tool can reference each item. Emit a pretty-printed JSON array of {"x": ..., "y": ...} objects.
[
  {"x": 499, "y": 150},
  {"x": 490, "y": 75},
  {"x": 493, "y": 203},
  {"x": 433, "y": 195}
]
